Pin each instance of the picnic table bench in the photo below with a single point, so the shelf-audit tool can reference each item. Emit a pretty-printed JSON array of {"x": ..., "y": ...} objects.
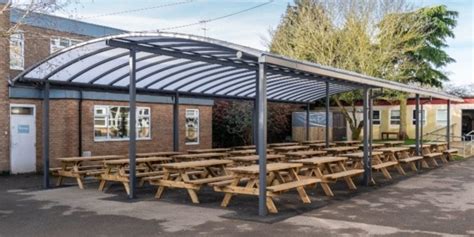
[
  {"x": 75, "y": 167},
  {"x": 393, "y": 143},
  {"x": 386, "y": 135},
  {"x": 336, "y": 151},
  {"x": 377, "y": 163},
  {"x": 304, "y": 154},
  {"x": 320, "y": 146},
  {"x": 402, "y": 154},
  {"x": 213, "y": 150},
  {"x": 253, "y": 159},
  {"x": 117, "y": 170},
  {"x": 428, "y": 155},
  {"x": 273, "y": 145},
  {"x": 245, "y": 182},
  {"x": 374, "y": 146},
  {"x": 201, "y": 156},
  {"x": 158, "y": 154},
  {"x": 247, "y": 147},
  {"x": 321, "y": 168},
  {"x": 442, "y": 147},
  {"x": 186, "y": 179},
  {"x": 246, "y": 152},
  {"x": 285, "y": 149},
  {"x": 308, "y": 142},
  {"x": 347, "y": 143}
]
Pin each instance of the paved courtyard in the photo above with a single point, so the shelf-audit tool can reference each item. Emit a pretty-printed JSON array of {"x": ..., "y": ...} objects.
[{"x": 439, "y": 202}]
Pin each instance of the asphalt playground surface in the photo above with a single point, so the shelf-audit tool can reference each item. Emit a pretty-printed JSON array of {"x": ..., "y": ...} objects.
[{"x": 435, "y": 202}]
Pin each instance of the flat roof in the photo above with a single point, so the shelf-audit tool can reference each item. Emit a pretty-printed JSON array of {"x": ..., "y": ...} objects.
[{"x": 200, "y": 66}]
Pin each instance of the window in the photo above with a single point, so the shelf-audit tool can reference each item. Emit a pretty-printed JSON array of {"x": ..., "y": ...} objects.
[
  {"x": 192, "y": 126},
  {"x": 376, "y": 117},
  {"x": 17, "y": 59},
  {"x": 112, "y": 123},
  {"x": 441, "y": 116},
  {"x": 414, "y": 116},
  {"x": 58, "y": 43},
  {"x": 394, "y": 117}
]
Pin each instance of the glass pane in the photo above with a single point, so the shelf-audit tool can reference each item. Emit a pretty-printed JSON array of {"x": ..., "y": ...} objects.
[
  {"x": 192, "y": 126},
  {"x": 64, "y": 42},
  {"x": 376, "y": 114},
  {"x": 21, "y": 111}
]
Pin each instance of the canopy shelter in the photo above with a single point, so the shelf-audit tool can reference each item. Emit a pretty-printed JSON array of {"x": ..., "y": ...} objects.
[{"x": 180, "y": 64}]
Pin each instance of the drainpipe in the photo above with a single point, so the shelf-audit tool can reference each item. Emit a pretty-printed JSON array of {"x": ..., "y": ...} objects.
[{"x": 80, "y": 122}]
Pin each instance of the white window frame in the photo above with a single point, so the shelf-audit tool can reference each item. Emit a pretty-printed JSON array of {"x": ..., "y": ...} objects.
[
  {"x": 106, "y": 117},
  {"x": 413, "y": 119},
  {"x": 390, "y": 117},
  {"x": 441, "y": 121},
  {"x": 198, "y": 131},
  {"x": 21, "y": 53},
  {"x": 379, "y": 119},
  {"x": 53, "y": 47}
]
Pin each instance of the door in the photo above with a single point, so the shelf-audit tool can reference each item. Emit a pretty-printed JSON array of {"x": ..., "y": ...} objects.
[
  {"x": 339, "y": 131},
  {"x": 23, "y": 139}
]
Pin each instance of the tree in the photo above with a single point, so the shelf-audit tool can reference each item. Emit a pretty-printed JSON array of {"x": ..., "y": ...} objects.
[{"x": 461, "y": 91}]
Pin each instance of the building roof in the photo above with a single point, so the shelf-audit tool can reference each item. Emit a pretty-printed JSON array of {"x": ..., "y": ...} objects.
[{"x": 200, "y": 66}]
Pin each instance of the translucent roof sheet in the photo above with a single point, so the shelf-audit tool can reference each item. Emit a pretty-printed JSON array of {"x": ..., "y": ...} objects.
[{"x": 186, "y": 64}]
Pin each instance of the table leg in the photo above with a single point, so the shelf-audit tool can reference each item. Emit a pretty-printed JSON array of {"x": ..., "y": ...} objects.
[
  {"x": 398, "y": 165},
  {"x": 271, "y": 205},
  {"x": 78, "y": 176},
  {"x": 319, "y": 174},
  {"x": 302, "y": 193},
  {"x": 228, "y": 196},
  {"x": 192, "y": 193},
  {"x": 161, "y": 188},
  {"x": 350, "y": 183}
]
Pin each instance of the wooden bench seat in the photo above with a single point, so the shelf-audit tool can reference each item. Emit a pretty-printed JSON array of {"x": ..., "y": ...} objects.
[
  {"x": 451, "y": 151},
  {"x": 293, "y": 184},
  {"x": 433, "y": 155},
  {"x": 384, "y": 165},
  {"x": 410, "y": 159},
  {"x": 347, "y": 173},
  {"x": 145, "y": 174},
  {"x": 210, "y": 180}
]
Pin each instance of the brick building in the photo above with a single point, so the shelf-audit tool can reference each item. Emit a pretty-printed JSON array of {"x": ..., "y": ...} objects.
[{"x": 83, "y": 122}]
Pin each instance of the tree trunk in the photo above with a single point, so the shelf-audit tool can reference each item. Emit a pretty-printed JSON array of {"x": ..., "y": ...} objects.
[
  {"x": 402, "y": 133},
  {"x": 352, "y": 121}
]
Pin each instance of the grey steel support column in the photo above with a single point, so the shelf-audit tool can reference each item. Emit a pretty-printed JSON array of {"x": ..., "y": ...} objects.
[
  {"x": 307, "y": 121},
  {"x": 132, "y": 148},
  {"x": 176, "y": 123},
  {"x": 417, "y": 125},
  {"x": 370, "y": 124},
  {"x": 422, "y": 125},
  {"x": 255, "y": 123},
  {"x": 367, "y": 159},
  {"x": 448, "y": 124},
  {"x": 262, "y": 138},
  {"x": 45, "y": 138},
  {"x": 327, "y": 114}
]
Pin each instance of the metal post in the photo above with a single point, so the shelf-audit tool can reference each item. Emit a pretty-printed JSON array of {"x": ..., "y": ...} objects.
[
  {"x": 448, "y": 125},
  {"x": 176, "y": 123},
  {"x": 422, "y": 125},
  {"x": 367, "y": 159},
  {"x": 371, "y": 111},
  {"x": 327, "y": 114},
  {"x": 255, "y": 122},
  {"x": 307, "y": 121},
  {"x": 417, "y": 124},
  {"x": 45, "y": 128},
  {"x": 262, "y": 138},
  {"x": 132, "y": 152}
]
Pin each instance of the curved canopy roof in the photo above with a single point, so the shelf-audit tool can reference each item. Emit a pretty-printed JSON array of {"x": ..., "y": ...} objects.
[{"x": 192, "y": 65}]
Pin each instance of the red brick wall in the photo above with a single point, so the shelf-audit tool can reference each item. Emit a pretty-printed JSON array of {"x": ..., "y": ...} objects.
[
  {"x": 4, "y": 103},
  {"x": 64, "y": 129}
]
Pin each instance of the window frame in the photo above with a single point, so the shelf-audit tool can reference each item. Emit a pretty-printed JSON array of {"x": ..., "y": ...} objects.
[
  {"x": 22, "y": 50},
  {"x": 423, "y": 119},
  {"x": 58, "y": 46},
  {"x": 391, "y": 119},
  {"x": 379, "y": 120},
  {"x": 196, "y": 113},
  {"x": 107, "y": 123},
  {"x": 443, "y": 122}
]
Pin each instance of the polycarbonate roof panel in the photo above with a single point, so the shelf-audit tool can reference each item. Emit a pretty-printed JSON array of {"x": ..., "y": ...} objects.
[{"x": 170, "y": 62}]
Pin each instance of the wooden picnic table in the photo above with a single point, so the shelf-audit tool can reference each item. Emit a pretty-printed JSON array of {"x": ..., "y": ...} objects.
[
  {"x": 437, "y": 146},
  {"x": 209, "y": 171},
  {"x": 117, "y": 170},
  {"x": 319, "y": 146},
  {"x": 253, "y": 159},
  {"x": 246, "y": 152},
  {"x": 74, "y": 167},
  {"x": 247, "y": 147},
  {"x": 285, "y": 149},
  {"x": 213, "y": 150},
  {"x": 308, "y": 142},
  {"x": 347, "y": 143},
  {"x": 335, "y": 151},
  {"x": 304, "y": 154},
  {"x": 374, "y": 146},
  {"x": 158, "y": 154},
  {"x": 377, "y": 162},
  {"x": 321, "y": 168},
  {"x": 273, "y": 145},
  {"x": 245, "y": 181},
  {"x": 428, "y": 154},
  {"x": 392, "y": 143},
  {"x": 202, "y": 156},
  {"x": 402, "y": 154}
]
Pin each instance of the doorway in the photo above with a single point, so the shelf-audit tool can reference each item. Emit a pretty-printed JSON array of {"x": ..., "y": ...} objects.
[
  {"x": 339, "y": 130},
  {"x": 23, "y": 139}
]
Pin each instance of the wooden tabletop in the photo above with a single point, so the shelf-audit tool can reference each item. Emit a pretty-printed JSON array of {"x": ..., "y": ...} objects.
[
  {"x": 347, "y": 142},
  {"x": 421, "y": 146},
  {"x": 213, "y": 150},
  {"x": 312, "y": 142},
  {"x": 247, "y": 147},
  {"x": 321, "y": 144},
  {"x": 361, "y": 154},
  {"x": 393, "y": 142},
  {"x": 436, "y": 143},
  {"x": 160, "y": 153},
  {"x": 255, "y": 158},
  {"x": 246, "y": 151},
  {"x": 341, "y": 148},
  {"x": 320, "y": 160},
  {"x": 305, "y": 153},
  {"x": 374, "y": 145},
  {"x": 290, "y": 148},
  {"x": 199, "y": 156},
  {"x": 90, "y": 158},
  {"x": 282, "y": 144},
  {"x": 196, "y": 164},
  {"x": 138, "y": 160},
  {"x": 254, "y": 169},
  {"x": 392, "y": 149}
]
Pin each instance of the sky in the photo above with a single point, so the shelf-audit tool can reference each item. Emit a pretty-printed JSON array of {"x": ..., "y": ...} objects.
[{"x": 250, "y": 28}]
